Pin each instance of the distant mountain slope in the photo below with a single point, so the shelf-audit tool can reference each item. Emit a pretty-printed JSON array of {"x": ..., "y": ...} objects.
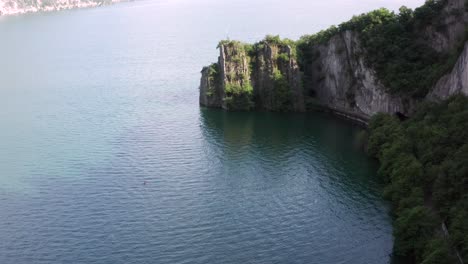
[{"x": 14, "y": 7}]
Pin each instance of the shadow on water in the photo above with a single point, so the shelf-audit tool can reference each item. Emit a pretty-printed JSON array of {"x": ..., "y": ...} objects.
[
  {"x": 325, "y": 146},
  {"x": 313, "y": 134},
  {"x": 314, "y": 150}
]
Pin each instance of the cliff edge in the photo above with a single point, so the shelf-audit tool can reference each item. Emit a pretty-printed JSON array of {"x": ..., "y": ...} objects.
[
  {"x": 263, "y": 76},
  {"x": 376, "y": 62}
]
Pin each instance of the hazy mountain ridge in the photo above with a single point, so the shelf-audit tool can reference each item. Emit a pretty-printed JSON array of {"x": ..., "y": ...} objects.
[{"x": 15, "y": 7}]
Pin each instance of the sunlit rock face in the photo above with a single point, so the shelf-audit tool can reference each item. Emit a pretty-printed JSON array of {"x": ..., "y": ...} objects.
[
  {"x": 340, "y": 80},
  {"x": 15, "y": 7},
  {"x": 454, "y": 82},
  {"x": 335, "y": 75},
  {"x": 267, "y": 74}
]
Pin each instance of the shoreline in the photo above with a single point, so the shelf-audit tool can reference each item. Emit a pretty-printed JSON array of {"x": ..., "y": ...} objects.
[{"x": 17, "y": 11}]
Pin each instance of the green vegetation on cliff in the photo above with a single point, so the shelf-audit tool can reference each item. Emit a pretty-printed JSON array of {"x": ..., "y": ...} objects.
[
  {"x": 424, "y": 162},
  {"x": 238, "y": 90},
  {"x": 394, "y": 47},
  {"x": 241, "y": 60},
  {"x": 213, "y": 78},
  {"x": 239, "y": 97},
  {"x": 281, "y": 92},
  {"x": 279, "y": 42},
  {"x": 393, "y": 44},
  {"x": 283, "y": 50}
]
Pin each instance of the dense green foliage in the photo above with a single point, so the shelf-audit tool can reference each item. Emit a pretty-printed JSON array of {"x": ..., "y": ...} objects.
[
  {"x": 393, "y": 47},
  {"x": 279, "y": 42},
  {"x": 213, "y": 78},
  {"x": 239, "y": 94},
  {"x": 424, "y": 162},
  {"x": 281, "y": 92},
  {"x": 238, "y": 97},
  {"x": 239, "y": 90},
  {"x": 230, "y": 43}
]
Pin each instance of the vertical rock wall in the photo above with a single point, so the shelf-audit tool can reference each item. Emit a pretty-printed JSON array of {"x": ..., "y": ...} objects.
[
  {"x": 269, "y": 71},
  {"x": 339, "y": 79},
  {"x": 455, "y": 82},
  {"x": 277, "y": 79},
  {"x": 450, "y": 29},
  {"x": 334, "y": 75}
]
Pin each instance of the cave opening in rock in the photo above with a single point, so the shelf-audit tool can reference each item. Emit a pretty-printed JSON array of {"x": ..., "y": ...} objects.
[{"x": 401, "y": 116}]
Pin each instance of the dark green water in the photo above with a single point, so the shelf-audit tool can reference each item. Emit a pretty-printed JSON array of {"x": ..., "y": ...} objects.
[{"x": 96, "y": 103}]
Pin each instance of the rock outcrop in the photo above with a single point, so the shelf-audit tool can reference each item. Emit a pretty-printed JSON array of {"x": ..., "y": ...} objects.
[
  {"x": 450, "y": 28},
  {"x": 455, "y": 82},
  {"x": 16, "y": 7},
  {"x": 226, "y": 84},
  {"x": 264, "y": 76},
  {"x": 275, "y": 66},
  {"x": 335, "y": 74},
  {"x": 340, "y": 80},
  {"x": 210, "y": 92}
]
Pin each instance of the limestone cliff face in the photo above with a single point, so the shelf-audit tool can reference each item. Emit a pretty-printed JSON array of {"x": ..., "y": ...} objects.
[
  {"x": 340, "y": 80},
  {"x": 335, "y": 75},
  {"x": 455, "y": 82},
  {"x": 264, "y": 77},
  {"x": 275, "y": 67},
  {"x": 451, "y": 27},
  {"x": 15, "y": 7},
  {"x": 231, "y": 71},
  {"x": 447, "y": 37},
  {"x": 210, "y": 94}
]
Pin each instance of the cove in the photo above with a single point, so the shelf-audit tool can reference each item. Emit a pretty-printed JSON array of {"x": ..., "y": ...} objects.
[{"x": 88, "y": 117}]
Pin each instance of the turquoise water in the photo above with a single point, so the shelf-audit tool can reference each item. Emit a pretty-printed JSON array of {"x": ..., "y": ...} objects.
[{"x": 106, "y": 157}]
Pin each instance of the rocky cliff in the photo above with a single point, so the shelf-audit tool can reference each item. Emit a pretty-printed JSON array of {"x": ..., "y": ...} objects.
[
  {"x": 275, "y": 66},
  {"x": 340, "y": 80},
  {"x": 335, "y": 73},
  {"x": 455, "y": 82},
  {"x": 15, "y": 7},
  {"x": 263, "y": 76},
  {"x": 448, "y": 27}
]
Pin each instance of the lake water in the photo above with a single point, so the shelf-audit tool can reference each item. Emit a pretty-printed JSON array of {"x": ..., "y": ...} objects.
[{"x": 106, "y": 157}]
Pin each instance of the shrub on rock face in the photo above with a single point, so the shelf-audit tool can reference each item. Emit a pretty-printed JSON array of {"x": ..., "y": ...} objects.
[
  {"x": 239, "y": 97},
  {"x": 281, "y": 92}
]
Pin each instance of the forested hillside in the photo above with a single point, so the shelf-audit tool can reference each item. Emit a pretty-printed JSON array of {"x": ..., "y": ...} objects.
[{"x": 424, "y": 162}]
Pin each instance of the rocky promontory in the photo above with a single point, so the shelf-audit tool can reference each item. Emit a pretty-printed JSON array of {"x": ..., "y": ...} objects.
[
  {"x": 260, "y": 76},
  {"x": 377, "y": 62}
]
